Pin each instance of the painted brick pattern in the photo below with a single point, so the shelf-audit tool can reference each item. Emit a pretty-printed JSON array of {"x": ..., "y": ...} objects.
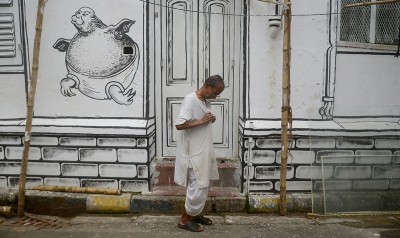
[
  {"x": 295, "y": 186},
  {"x": 316, "y": 143},
  {"x": 333, "y": 185},
  {"x": 60, "y": 154},
  {"x": 15, "y": 153},
  {"x": 349, "y": 163},
  {"x": 314, "y": 172},
  {"x": 273, "y": 143},
  {"x": 98, "y": 155},
  {"x": 261, "y": 186},
  {"x": 246, "y": 171},
  {"x": 13, "y": 182},
  {"x": 353, "y": 172},
  {"x": 373, "y": 157},
  {"x": 375, "y": 184},
  {"x": 134, "y": 185},
  {"x": 396, "y": 157},
  {"x": 10, "y": 168},
  {"x": 335, "y": 156},
  {"x": 117, "y": 142},
  {"x": 345, "y": 143},
  {"x": 297, "y": 157},
  {"x": 46, "y": 169},
  {"x": 261, "y": 156},
  {"x": 142, "y": 171},
  {"x": 141, "y": 142},
  {"x": 77, "y": 141},
  {"x": 386, "y": 172},
  {"x": 79, "y": 161},
  {"x": 387, "y": 143},
  {"x": 132, "y": 155},
  {"x": 3, "y": 181},
  {"x": 100, "y": 183},
  {"x": 69, "y": 182},
  {"x": 44, "y": 140},
  {"x": 272, "y": 172},
  {"x": 83, "y": 170},
  {"x": 395, "y": 184},
  {"x": 117, "y": 170},
  {"x": 10, "y": 140}
]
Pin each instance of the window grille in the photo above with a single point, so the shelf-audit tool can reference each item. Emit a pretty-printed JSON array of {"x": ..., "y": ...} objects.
[
  {"x": 373, "y": 24},
  {"x": 387, "y": 24},
  {"x": 7, "y": 35}
]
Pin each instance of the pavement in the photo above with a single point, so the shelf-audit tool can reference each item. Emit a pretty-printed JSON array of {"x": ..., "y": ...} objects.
[
  {"x": 156, "y": 214},
  {"x": 225, "y": 226}
]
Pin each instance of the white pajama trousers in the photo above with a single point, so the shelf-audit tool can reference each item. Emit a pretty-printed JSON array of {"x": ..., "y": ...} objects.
[{"x": 195, "y": 197}]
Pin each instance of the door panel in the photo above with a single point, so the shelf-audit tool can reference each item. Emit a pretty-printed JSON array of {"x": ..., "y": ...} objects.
[{"x": 195, "y": 46}]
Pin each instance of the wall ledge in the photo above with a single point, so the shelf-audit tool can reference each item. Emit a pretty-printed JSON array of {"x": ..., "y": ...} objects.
[
  {"x": 81, "y": 126},
  {"x": 342, "y": 127}
]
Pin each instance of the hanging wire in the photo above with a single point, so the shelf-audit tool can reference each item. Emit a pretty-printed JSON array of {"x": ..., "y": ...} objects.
[{"x": 237, "y": 15}]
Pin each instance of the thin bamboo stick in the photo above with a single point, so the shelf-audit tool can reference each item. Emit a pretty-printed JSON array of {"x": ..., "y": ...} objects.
[
  {"x": 29, "y": 113},
  {"x": 78, "y": 190},
  {"x": 285, "y": 106},
  {"x": 363, "y": 4}
]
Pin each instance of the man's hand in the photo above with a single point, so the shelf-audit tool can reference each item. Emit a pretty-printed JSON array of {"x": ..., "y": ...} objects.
[
  {"x": 191, "y": 124},
  {"x": 208, "y": 117}
]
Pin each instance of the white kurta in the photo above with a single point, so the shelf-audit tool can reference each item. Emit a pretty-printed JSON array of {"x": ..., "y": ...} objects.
[{"x": 195, "y": 145}]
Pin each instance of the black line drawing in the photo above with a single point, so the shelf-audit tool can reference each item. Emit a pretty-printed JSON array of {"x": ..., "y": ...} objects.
[{"x": 101, "y": 60}]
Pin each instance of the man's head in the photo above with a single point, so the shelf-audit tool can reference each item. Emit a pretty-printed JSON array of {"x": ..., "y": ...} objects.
[{"x": 214, "y": 85}]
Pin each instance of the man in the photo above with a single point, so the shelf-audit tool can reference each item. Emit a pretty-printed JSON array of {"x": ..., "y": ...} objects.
[{"x": 195, "y": 163}]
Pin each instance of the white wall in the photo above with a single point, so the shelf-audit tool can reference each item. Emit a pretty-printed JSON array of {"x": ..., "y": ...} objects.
[
  {"x": 309, "y": 43},
  {"x": 370, "y": 87}
]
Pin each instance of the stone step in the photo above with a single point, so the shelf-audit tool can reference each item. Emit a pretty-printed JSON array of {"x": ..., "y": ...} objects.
[
  {"x": 181, "y": 191},
  {"x": 229, "y": 173}
]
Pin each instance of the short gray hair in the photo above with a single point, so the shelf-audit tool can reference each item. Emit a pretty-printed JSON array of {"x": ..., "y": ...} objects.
[{"x": 214, "y": 80}]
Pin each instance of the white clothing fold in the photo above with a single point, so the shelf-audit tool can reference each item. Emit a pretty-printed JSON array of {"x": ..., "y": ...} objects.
[
  {"x": 195, "y": 145},
  {"x": 195, "y": 197}
]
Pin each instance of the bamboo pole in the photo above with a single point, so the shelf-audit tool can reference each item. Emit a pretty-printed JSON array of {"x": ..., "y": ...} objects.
[
  {"x": 363, "y": 4},
  {"x": 78, "y": 190},
  {"x": 29, "y": 113},
  {"x": 285, "y": 106}
]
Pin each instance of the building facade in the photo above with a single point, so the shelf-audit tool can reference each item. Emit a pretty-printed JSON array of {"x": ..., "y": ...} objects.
[{"x": 112, "y": 75}]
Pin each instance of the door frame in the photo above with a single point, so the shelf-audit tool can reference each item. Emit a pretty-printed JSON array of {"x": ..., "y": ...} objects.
[{"x": 237, "y": 74}]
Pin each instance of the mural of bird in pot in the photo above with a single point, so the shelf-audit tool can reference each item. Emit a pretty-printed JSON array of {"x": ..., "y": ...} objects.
[{"x": 101, "y": 60}]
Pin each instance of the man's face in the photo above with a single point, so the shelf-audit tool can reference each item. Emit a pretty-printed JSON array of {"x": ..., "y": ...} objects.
[{"x": 216, "y": 91}]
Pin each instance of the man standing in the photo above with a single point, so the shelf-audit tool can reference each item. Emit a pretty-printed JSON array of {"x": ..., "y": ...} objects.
[{"x": 195, "y": 163}]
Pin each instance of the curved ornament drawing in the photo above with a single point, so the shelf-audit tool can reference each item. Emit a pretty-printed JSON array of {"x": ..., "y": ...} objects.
[{"x": 95, "y": 61}]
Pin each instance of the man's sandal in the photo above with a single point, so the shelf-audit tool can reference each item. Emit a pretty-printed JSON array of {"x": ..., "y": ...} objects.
[
  {"x": 202, "y": 220},
  {"x": 191, "y": 226}
]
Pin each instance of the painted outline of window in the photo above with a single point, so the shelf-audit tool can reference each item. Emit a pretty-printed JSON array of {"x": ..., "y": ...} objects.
[
  {"x": 7, "y": 36},
  {"x": 5, "y": 2},
  {"x": 373, "y": 26},
  {"x": 11, "y": 36}
]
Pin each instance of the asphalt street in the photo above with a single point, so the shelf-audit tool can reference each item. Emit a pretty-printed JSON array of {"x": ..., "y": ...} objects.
[{"x": 225, "y": 226}]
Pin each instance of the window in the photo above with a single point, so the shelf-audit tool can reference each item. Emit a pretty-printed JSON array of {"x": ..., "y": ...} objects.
[{"x": 373, "y": 25}]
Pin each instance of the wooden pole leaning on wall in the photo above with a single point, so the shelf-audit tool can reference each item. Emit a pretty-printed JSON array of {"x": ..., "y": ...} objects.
[
  {"x": 29, "y": 113},
  {"x": 364, "y": 4},
  {"x": 285, "y": 105}
]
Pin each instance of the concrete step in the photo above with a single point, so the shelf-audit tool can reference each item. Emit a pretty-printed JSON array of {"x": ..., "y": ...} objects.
[
  {"x": 229, "y": 173},
  {"x": 181, "y": 191},
  {"x": 171, "y": 199}
]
